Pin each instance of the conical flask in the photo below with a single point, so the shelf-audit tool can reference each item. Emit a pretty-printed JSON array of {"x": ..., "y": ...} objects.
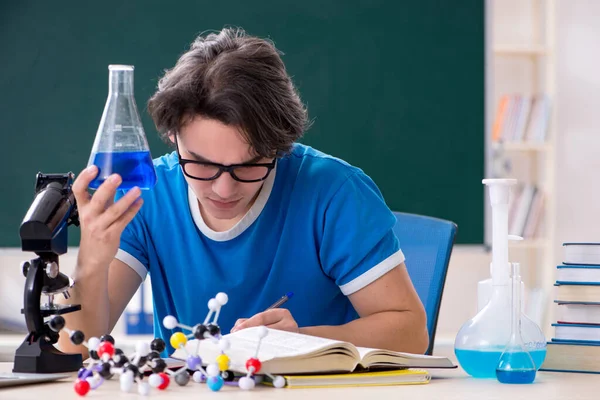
[
  {"x": 516, "y": 364},
  {"x": 120, "y": 145}
]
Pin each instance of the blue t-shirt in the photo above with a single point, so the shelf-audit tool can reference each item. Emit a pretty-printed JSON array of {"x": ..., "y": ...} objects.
[{"x": 319, "y": 228}]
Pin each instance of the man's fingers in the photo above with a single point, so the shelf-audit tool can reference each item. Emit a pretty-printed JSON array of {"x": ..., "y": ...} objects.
[
  {"x": 284, "y": 325},
  {"x": 239, "y": 321},
  {"x": 118, "y": 209},
  {"x": 120, "y": 224},
  {"x": 105, "y": 194},
  {"x": 269, "y": 317},
  {"x": 81, "y": 183}
]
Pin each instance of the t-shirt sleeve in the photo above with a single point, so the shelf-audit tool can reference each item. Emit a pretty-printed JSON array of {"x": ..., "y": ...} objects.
[
  {"x": 132, "y": 248},
  {"x": 358, "y": 244}
]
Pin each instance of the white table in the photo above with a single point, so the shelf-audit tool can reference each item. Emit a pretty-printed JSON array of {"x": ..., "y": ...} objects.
[{"x": 445, "y": 384}]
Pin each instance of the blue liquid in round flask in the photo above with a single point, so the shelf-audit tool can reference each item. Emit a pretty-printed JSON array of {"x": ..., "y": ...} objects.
[{"x": 121, "y": 146}]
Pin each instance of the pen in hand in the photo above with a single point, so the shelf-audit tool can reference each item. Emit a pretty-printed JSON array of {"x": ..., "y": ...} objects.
[
  {"x": 281, "y": 301},
  {"x": 277, "y": 304}
]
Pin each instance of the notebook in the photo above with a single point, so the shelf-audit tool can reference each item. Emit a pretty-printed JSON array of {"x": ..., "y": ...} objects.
[
  {"x": 17, "y": 379},
  {"x": 295, "y": 353},
  {"x": 380, "y": 378}
]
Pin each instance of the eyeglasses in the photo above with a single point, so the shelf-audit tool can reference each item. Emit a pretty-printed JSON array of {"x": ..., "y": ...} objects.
[{"x": 209, "y": 171}]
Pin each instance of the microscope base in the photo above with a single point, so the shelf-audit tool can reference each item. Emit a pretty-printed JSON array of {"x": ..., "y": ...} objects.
[{"x": 42, "y": 357}]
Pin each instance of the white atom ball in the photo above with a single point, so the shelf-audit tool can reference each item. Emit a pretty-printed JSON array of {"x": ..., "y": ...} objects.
[
  {"x": 222, "y": 298},
  {"x": 279, "y": 382},
  {"x": 142, "y": 348},
  {"x": 197, "y": 377},
  {"x": 246, "y": 383},
  {"x": 155, "y": 380},
  {"x": 170, "y": 322},
  {"x": 213, "y": 305},
  {"x": 144, "y": 388},
  {"x": 93, "y": 343},
  {"x": 262, "y": 332},
  {"x": 212, "y": 370}
]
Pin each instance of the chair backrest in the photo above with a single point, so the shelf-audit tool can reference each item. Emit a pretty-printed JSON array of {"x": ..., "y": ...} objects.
[{"x": 427, "y": 244}]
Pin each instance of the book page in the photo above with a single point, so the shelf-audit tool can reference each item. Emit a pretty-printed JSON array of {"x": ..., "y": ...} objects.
[
  {"x": 370, "y": 357},
  {"x": 281, "y": 343},
  {"x": 365, "y": 351},
  {"x": 277, "y": 344}
]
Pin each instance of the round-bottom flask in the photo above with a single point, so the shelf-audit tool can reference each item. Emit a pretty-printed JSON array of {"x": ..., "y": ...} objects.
[{"x": 481, "y": 341}]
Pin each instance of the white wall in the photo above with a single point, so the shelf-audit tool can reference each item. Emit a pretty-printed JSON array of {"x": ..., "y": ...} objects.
[{"x": 578, "y": 154}]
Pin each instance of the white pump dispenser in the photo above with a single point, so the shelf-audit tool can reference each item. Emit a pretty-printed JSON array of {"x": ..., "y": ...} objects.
[
  {"x": 484, "y": 288},
  {"x": 499, "y": 190}
]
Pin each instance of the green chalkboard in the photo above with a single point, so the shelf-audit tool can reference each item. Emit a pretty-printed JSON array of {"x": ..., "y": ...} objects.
[{"x": 395, "y": 87}]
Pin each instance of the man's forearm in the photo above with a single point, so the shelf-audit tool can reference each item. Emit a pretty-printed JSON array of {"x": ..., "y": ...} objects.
[
  {"x": 394, "y": 330},
  {"x": 90, "y": 291}
]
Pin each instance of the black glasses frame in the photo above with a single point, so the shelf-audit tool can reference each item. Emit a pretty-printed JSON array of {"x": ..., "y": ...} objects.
[{"x": 223, "y": 168}]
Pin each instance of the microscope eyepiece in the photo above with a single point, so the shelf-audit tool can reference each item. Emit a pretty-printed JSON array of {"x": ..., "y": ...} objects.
[{"x": 44, "y": 228}]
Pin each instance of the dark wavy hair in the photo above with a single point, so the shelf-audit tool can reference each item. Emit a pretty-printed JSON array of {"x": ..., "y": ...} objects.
[{"x": 239, "y": 80}]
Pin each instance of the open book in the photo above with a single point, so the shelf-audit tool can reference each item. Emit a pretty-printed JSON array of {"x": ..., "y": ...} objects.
[{"x": 294, "y": 353}]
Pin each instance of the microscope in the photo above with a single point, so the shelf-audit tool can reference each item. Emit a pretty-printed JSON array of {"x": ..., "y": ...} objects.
[{"x": 44, "y": 232}]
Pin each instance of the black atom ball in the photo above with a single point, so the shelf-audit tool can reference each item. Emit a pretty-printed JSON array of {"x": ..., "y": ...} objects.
[
  {"x": 213, "y": 329},
  {"x": 77, "y": 337},
  {"x": 107, "y": 338},
  {"x": 57, "y": 323},
  {"x": 158, "y": 345},
  {"x": 158, "y": 365}
]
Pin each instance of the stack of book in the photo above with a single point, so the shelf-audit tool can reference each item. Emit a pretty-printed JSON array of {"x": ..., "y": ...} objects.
[{"x": 575, "y": 346}]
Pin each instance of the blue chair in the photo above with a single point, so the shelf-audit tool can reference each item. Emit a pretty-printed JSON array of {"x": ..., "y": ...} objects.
[{"x": 427, "y": 244}]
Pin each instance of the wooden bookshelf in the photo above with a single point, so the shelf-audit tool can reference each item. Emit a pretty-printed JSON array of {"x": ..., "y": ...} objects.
[
  {"x": 529, "y": 244},
  {"x": 523, "y": 71},
  {"x": 520, "y": 50},
  {"x": 522, "y": 146}
]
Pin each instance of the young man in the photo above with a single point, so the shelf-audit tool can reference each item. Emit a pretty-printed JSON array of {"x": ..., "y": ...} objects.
[{"x": 241, "y": 208}]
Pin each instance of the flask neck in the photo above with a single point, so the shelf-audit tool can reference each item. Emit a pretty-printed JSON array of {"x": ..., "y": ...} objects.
[
  {"x": 515, "y": 300},
  {"x": 120, "y": 80}
]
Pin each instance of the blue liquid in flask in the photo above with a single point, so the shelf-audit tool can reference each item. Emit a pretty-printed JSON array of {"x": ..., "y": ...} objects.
[
  {"x": 516, "y": 376},
  {"x": 134, "y": 167},
  {"x": 482, "y": 364},
  {"x": 516, "y": 367}
]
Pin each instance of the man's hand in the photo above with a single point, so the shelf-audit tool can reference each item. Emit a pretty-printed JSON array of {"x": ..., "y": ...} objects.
[
  {"x": 276, "y": 318},
  {"x": 101, "y": 220}
]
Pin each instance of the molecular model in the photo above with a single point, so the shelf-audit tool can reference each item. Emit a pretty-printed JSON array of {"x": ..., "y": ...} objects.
[
  {"x": 218, "y": 373},
  {"x": 107, "y": 360}
]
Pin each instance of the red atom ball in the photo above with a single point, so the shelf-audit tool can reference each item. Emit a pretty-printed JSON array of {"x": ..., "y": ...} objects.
[
  {"x": 253, "y": 362},
  {"x": 106, "y": 348},
  {"x": 82, "y": 387},
  {"x": 165, "y": 379}
]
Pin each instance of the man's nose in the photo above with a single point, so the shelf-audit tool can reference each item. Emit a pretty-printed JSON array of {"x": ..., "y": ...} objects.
[{"x": 224, "y": 186}]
